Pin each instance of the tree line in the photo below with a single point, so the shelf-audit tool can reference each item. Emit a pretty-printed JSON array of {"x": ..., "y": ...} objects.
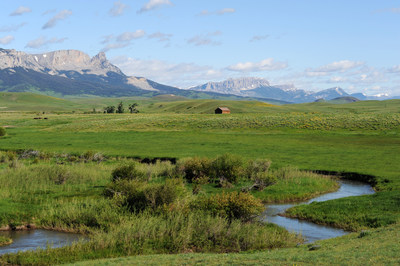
[{"x": 120, "y": 109}]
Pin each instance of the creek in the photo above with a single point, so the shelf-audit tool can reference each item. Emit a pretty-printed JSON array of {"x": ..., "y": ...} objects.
[
  {"x": 311, "y": 231},
  {"x": 33, "y": 239},
  {"x": 39, "y": 238}
]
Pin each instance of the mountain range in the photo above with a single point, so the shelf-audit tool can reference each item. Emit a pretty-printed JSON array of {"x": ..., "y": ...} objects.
[
  {"x": 74, "y": 73},
  {"x": 261, "y": 88}
]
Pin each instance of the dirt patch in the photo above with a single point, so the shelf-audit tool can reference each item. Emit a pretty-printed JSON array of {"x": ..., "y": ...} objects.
[{"x": 18, "y": 227}]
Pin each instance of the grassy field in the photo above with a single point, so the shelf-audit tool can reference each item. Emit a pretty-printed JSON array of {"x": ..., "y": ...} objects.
[{"x": 361, "y": 137}]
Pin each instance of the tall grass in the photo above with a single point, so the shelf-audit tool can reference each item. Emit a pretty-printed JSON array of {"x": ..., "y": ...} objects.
[
  {"x": 296, "y": 185},
  {"x": 172, "y": 233}
]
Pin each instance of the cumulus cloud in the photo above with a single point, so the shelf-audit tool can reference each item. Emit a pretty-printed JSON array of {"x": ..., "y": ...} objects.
[
  {"x": 177, "y": 74},
  {"x": 122, "y": 40},
  {"x": 21, "y": 10},
  {"x": 153, "y": 4},
  {"x": 12, "y": 27},
  {"x": 339, "y": 66},
  {"x": 129, "y": 36},
  {"x": 206, "y": 39},
  {"x": 6, "y": 39},
  {"x": 161, "y": 37},
  {"x": 268, "y": 64},
  {"x": 257, "y": 38},
  {"x": 43, "y": 41},
  {"x": 118, "y": 9},
  {"x": 60, "y": 16}
]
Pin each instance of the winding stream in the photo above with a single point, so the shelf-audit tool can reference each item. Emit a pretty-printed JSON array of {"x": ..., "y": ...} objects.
[
  {"x": 33, "y": 239},
  {"x": 30, "y": 240},
  {"x": 311, "y": 231}
]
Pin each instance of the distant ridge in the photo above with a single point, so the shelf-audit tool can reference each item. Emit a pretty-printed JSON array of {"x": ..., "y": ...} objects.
[{"x": 261, "y": 88}]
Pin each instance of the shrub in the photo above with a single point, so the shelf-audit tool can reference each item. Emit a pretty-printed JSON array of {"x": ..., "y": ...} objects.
[
  {"x": 138, "y": 196},
  {"x": 233, "y": 205},
  {"x": 2, "y": 131},
  {"x": 57, "y": 174},
  {"x": 261, "y": 181},
  {"x": 228, "y": 168},
  {"x": 255, "y": 167},
  {"x": 128, "y": 172},
  {"x": 193, "y": 169}
]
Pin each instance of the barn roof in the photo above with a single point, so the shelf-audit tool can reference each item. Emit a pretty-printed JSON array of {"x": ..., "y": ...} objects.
[{"x": 224, "y": 108}]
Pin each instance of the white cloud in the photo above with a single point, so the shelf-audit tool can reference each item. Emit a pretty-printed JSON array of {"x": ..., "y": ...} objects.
[
  {"x": 49, "y": 11},
  {"x": 107, "y": 38},
  {"x": 268, "y": 64},
  {"x": 21, "y": 10},
  {"x": 12, "y": 28},
  {"x": 7, "y": 39},
  {"x": 113, "y": 46},
  {"x": 218, "y": 12},
  {"x": 337, "y": 79},
  {"x": 394, "y": 69},
  {"x": 339, "y": 66},
  {"x": 204, "y": 13},
  {"x": 226, "y": 11},
  {"x": 118, "y": 9},
  {"x": 153, "y": 4},
  {"x": 259, "y": 38},
  {"x": 161, "y": 37},
  {"x": 60, "y": 16},
  {"x": 43, "y": 41},
  {"x": 176, "y": 74},
  {"x": 206, "y": 39},
  {"x": 129, "y": 36}
]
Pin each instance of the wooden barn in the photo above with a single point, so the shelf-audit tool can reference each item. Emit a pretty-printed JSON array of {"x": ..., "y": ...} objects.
[{"x": 222, "y": 110}]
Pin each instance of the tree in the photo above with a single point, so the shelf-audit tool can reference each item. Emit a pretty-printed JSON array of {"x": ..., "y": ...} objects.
[
  {"x": 109, "y": 109},
  {"x": 120, "y": 108},
  {"x": 132, "y": 108}
]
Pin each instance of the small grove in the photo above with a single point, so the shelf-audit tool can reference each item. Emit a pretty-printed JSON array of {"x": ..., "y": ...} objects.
[{"x": 128, "y": 208}]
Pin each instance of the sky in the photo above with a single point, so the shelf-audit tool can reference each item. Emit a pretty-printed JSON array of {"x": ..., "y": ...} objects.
[{"x": 311, "y": 44}]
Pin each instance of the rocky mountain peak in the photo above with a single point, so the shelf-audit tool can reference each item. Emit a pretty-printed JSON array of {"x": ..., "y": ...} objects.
[
  {"x": 100, "y": 57},
  {"x": 58, "y": 62}
]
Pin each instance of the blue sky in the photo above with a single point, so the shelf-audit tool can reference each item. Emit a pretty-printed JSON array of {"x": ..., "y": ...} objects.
[{"x": 314, "y": 45}]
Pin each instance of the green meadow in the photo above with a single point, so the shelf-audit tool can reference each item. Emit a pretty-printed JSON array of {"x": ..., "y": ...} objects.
[{"x": 55, "y": 173}]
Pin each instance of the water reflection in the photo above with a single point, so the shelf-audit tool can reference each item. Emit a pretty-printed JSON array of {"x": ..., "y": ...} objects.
[
  {"x": 30, "y": 240},
  {"x": 310, "y": 231}
]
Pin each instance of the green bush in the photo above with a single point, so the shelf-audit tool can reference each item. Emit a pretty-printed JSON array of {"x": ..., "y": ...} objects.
[
  {"x": 2, "y": 131},
  {"x": 128, "y": 172},
  {"x": 228, "y": 168},
  {"x": 255, "y": 167},
  {"x": 138, "y": 196},
  {"x": 193, "y": 169},
  {"x": 233, "y": 205}
]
